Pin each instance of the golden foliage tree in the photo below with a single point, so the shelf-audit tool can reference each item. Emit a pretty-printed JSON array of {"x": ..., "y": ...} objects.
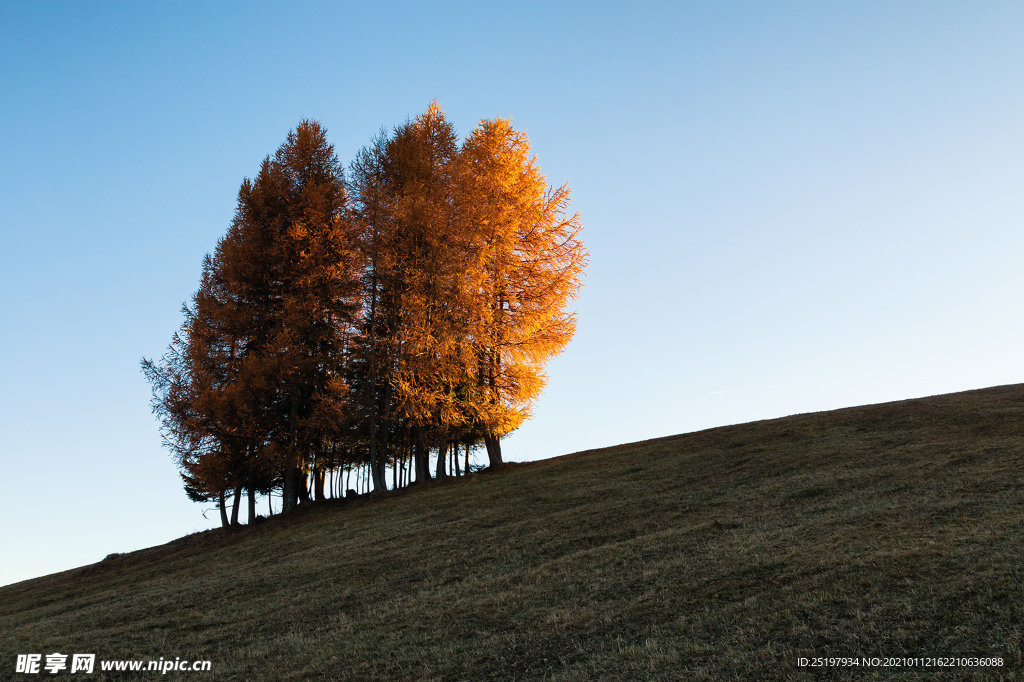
[
  {"x": 526, "y": 261},
  {"x": 403, "y": 189},
  {"x": 257, "y": 372},
  {"x": 291, "y": 251}
]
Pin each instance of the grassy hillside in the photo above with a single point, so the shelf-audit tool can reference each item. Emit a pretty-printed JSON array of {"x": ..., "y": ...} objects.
[{"x": 888, "y": 530}]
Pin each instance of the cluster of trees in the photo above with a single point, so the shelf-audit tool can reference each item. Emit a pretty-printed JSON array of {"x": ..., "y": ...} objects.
[{"x": 383, "y": 318}]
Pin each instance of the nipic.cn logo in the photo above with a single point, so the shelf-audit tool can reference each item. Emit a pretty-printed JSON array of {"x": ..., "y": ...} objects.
[{"x": 55, "y": 663}]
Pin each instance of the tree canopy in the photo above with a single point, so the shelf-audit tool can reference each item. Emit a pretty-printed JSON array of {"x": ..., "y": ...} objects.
[{"x": 345, "y": 325}]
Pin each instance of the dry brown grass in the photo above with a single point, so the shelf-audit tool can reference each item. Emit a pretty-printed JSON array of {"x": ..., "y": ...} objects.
[{"x": 888, "y": 530}]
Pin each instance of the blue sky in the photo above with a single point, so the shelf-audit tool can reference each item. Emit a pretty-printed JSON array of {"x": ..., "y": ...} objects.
[{"x": 790, "y": 207}]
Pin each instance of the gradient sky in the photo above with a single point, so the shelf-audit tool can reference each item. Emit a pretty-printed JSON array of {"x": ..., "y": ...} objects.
[{"x": 790, "y": 207}]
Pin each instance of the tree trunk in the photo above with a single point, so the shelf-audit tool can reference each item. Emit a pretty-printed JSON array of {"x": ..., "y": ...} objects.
[
  {"x": 290, "y": 492},
  {"x": 223, "y": 512},
  {"x": 422, "y": 466},
  {"x": 237, "y": 505},
  {"x": 455, "y": 458},
  {"x": 318, "y": 486},
  {"x": 442, "y": 450},
  {"x": 493, "y": 444},
  {"x": 466, "y": 468},
  {"x": 377, "y": 469},
  {"x": 374, "y": 398},
  {"x": 373, "y": 437},
  {"x": 303, "y": 488},
  {"x": 252, "y": 504}
]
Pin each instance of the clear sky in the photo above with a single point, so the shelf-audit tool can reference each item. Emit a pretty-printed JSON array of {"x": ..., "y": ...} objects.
[{"x": 790, "y": 207}]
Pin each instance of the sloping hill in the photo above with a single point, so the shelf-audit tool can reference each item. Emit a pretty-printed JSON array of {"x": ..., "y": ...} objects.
[{"x": 883, "y": 531}]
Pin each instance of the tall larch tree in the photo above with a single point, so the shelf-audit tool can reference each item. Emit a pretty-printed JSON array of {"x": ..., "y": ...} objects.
[
  {"x": 273, "y": 321},
  {"x": 372, "y": 188},
  {"x": 527, "y": 260},
  {"x": 198, "y": 393},
  {"x": 402, "y": 190},
  {"x": 313, "y": 277},
  {"x": 429, "y": 256}
]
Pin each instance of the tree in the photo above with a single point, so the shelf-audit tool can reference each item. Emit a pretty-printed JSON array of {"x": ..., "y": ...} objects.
[
  {"x": 526, "y": 263},
  {"x": 402, "y": 188},
  {"x": 195, "y": 396},
  {"x": 293, "y": 256},
  {"x": 372, "y": 190},
  {"x": 251, "y": 388}
]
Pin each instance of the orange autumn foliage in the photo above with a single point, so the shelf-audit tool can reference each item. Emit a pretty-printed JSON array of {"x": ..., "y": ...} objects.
[{"x": 413, "y": 306}]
